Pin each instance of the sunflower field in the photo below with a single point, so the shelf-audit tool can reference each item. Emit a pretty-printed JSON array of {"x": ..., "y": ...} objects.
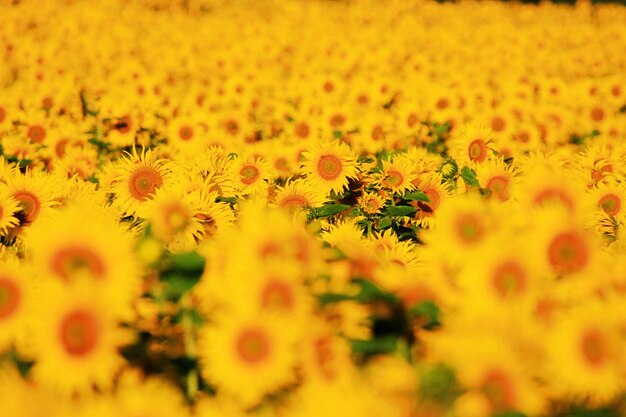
[{"x": 366, "y": 208}]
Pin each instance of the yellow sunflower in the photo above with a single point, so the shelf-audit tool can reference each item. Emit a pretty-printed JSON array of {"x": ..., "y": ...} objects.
[
  {"x": 397, "y": 175},
  {"x": 328, "y": 165},
  {"x": 9, "y": 209},
  {"x": 137, "y": 177},
  {"x": 174, "y": 219},
  {"x": 76, "y": 339},
  {"x": 248, "y": 357},
  {"x": 34, "y": 192},
  {"x": 16, "y": 301},
  {"x": 298, "y": 194},
  {"x": 82, "y": 241},
  {"x": 472, "y": 144}
]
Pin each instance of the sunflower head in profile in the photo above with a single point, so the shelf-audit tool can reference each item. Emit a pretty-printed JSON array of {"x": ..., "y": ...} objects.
[
  {"x": 329, "y": 165},
  {"x": 137, "y": 178}
]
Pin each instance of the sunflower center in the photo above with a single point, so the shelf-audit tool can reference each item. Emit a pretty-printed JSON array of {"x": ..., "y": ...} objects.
[
  {"x": 36, "y": 133},
  {"x": 469, "y": 228},
  {"x": 594, "y": 347},
  {"x": 500, "y": 391},
  {"x": 185, "y": 133},
  {"x": 329, "y": 167},
  {"x": 554, "y": 194},
  {"x": 477, "y": 150},
  {"x": 79, "y": 332},
  {"x": 144, "y": 182},
  {"x": 302, "y": 130},
  {"x": 277, "y": 295},
  {"x": 176, "y": 217},
  {"x": 29, "y": 203},
  {"x": 73, "y": 260},
  {"x": 498, "y": 186},
  {"x": 294, "y": 201},
  {"x": 3, "y": 114},
  {"x": 610, "y": 203},
  {"x": 597, "y": 114},
  {"x": 394, "y": 178},
  {"x": 253, "y": 345},
  {"x": 9, "y": 297},
  {"x": 568, "y": 253},
  {"x": 249, "y": 174},
  {"x": 498, "y": 124},
  {"x": 509, "y": 279}
]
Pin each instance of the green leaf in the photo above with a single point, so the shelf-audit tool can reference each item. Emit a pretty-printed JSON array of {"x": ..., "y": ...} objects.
[
  {"x": 230, "y": 200},
  {"x": 426, "y": 309},
  {"x": 188, "y": 262},
  {"x": 398, "y": 211},
  {"x": 469, "y": 176},
  {"x": 438, "y": 382},
  {"x": 337, "y": 134},
  {"x": 370, "y": 291},
  {"x": 384, "y": 223},
  {"x": 329, "y": 210},
  {"x": 510, "y": 414},
  {"x": 178, "y": 283},
  {"x": 331, "y": 298},
  {"x": 417, "y": 196},
  {"x": 374, "y": 346}
]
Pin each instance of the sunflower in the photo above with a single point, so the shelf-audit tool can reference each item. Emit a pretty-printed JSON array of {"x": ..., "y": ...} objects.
[
  {"x": 250, "y": 175},
  {"x": 248, "y": 357},
  {"x": 397, "y": 175},
  {"x": 371, "y": 203},
  {"x": 76, "y": 339},
  {"x": 329, "y": 165},
  {"x": 34, "y": 194},
  {"x": 298, "y": 194},
  {"x": 16, "y": 301},
  {"x": 585, "y": 354},
  {"x": 137, "y": 177},
  {"x": 174, "y": 219},
  {"x": 9, "y": 209},
  {"x": 498, "y": 177},
  {"x": 88, "y": 244},
  {"x": 149, "y": 397},
  {"x": 472, "y": 144}
]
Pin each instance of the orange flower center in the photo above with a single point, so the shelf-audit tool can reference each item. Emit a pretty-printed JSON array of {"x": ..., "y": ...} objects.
[
  {"x": 3, "y": 114},
  {"x": 509, "y": 279},
  {"x": 144, "y": 182},
  {"x": 610, "y": 203},
  {"x": 185, "y": 133},
  {"x": 293, "y": 201},
  {"x": 469, "y": 228},
  {"x": 29, "y": 203},
  {"x": 594, "y": 347},
  {"x": 176, "y": 217},
  {"x": 72, "y": 260},
  {"x": 477, "y": 150},
  {"x": 394, "y": 179},
  {"x": 36, "y": 133},
  {"x": 249, "y": 174},
  {"x": 302, "y": 130},
  {"x": 498, "y": 124},
  {"x": 10, "y": 297},
  {"x": 500, "y": 390},
  {"x": 79, "y": 332},
  {"x": 277, "y": 295},
  {"x": 499, "y": 186},
  {"x": 253, "y": 345},
  {"x": 554, "y": 194},
  {"x": 329, "y": 167},
  {"x": 568, "y": 252}
]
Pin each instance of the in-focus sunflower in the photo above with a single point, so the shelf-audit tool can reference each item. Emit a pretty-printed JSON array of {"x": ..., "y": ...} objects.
[
  {"x": 298, "y": 194},
  {"x": 328, "y": 165},
  {"x": 472, "y": 144},
  {"x": 397, "y": 175},
  {"x": 137, "y": 179},
  {"x": 9, "y": 209}
]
